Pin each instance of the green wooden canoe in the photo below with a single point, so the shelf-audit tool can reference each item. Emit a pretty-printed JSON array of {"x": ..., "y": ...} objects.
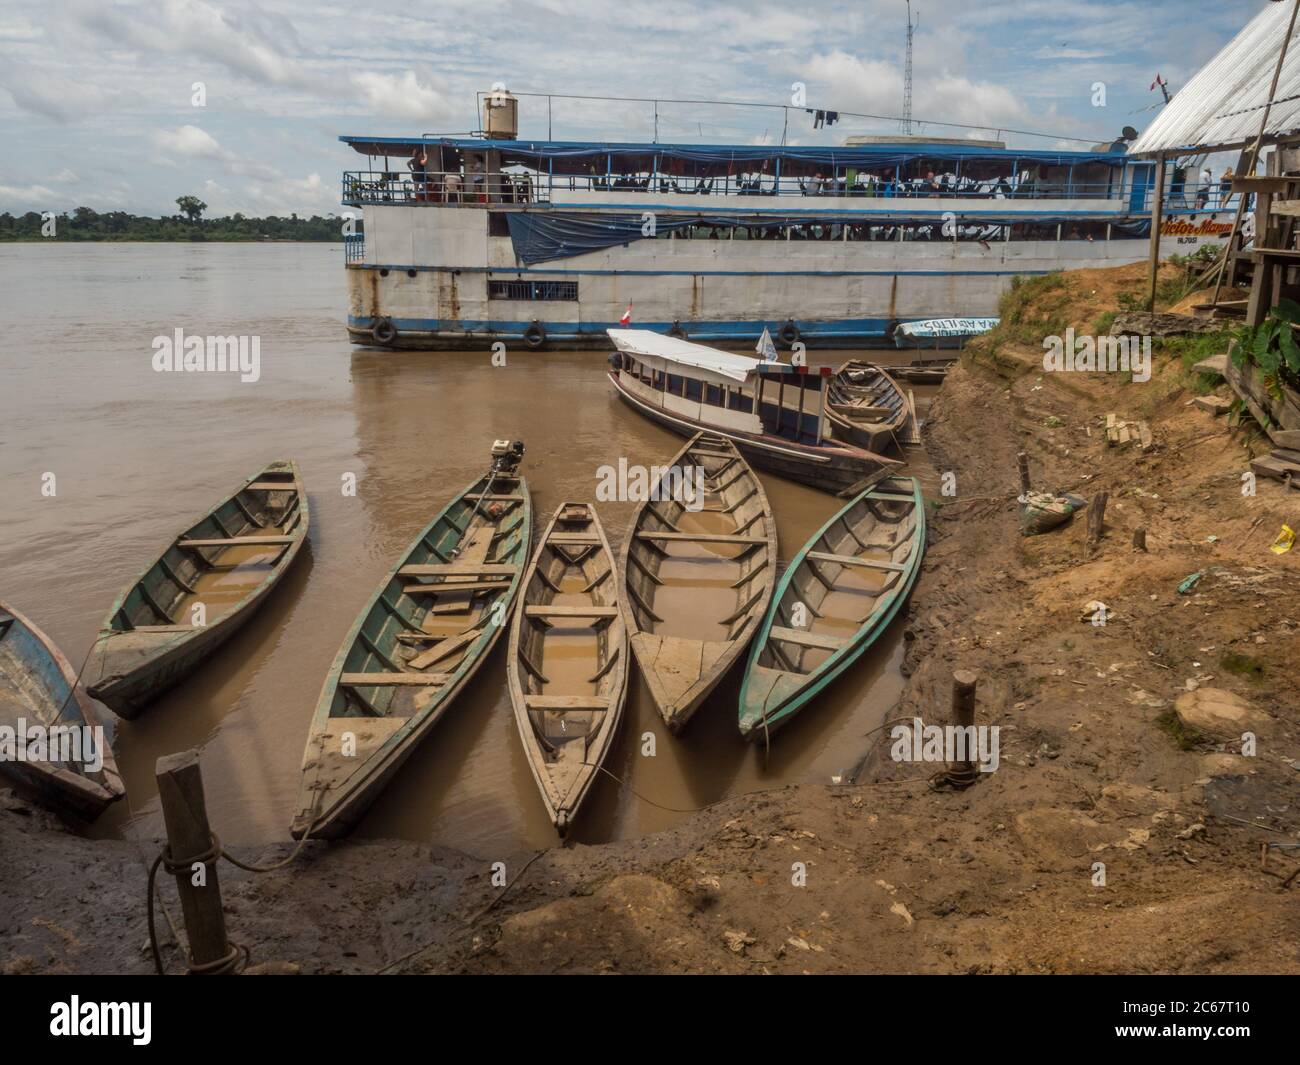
[
  {"x": 837, "y": 595},
  {"x": 225, "y": 563},
  {"x": 422, "y": 636}
]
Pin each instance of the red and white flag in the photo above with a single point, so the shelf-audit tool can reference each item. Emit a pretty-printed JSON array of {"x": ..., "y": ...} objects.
[{"x": 627, "y": 316}]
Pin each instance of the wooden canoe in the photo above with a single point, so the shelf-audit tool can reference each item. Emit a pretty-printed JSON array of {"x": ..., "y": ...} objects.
[
  {"x": 38, "y": 687},
  {"x": 421, "y": 637},
  {"x": 923, "y": 372},
  {"x": 868, "y": 409},
  {"x": 837, "y": 595},
  {"x": 567, "y": 665},
  {"x": 226, "y": 563},
  {"x": 697, "y": 582}
]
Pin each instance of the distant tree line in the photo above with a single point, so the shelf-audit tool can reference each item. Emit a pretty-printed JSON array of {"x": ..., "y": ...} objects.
[{"x": 85, "y": 224}]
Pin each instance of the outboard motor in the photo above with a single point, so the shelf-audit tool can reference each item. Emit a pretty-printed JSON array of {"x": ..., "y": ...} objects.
[{"x": 506, "y": 456}]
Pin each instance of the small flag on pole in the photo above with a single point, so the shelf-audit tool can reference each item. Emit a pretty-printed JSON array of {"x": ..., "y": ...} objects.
[
  {"x": 627, "y": 316},
  {"x": 766, "y": 349}
]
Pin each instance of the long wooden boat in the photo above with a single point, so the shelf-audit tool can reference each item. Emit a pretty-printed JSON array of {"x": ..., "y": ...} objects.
[
  {"x": 867, "y": 408},
  {"x": 568, "y": 660},
  {"x": 697, "y": 581},
  {"x": 38, "y": 687},
  {"x": 774, "y": 413},
  {"x": 413, "y": 649},
  {"x": 923, "y": 371},
  {"x": 837, "y": 595},
  {"x": 197, "y": 594}
]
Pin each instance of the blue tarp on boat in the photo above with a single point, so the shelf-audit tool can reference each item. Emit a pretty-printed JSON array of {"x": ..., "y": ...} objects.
[{"x": 541, "y": 236}]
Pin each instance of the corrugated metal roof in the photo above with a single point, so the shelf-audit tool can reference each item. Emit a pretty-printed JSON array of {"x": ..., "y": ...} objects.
[
  {"x": 683, "y": 352},
  {"x": 1222, "y": 105}
]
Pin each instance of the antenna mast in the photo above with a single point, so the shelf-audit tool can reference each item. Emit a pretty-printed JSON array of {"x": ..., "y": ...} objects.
[{"x": 906, "y": 124}]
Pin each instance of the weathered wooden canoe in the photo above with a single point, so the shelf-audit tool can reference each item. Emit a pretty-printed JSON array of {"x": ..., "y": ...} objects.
[
  {"x": 38, "y": 687},
  {"x": 923, "y": 371},
  {"x": 568, "y": 660},
  {"x": 837, "y": 595},
  {"x": 425, "y": 632},
  {"x": 868, "y": 409},
  {"x": 697, "y": 581},
  {"x": 200, "y": 591}
]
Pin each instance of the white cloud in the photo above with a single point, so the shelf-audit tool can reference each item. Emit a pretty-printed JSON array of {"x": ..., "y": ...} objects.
[
  {"x": 189, "y": 141},
  {"x": 402, "y": 96}
]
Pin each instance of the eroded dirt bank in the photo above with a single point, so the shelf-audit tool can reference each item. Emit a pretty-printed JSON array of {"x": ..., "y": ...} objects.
[{"x": 1095, "y": 767}]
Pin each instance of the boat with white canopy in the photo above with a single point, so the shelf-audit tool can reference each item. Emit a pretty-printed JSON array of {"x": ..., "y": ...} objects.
[{"x": 775, "y": 413}]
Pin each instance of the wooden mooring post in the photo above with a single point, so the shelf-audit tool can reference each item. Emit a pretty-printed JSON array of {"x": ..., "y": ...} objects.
[
  {"x": 190, "y": 843},
  {"x": 963, "y": 774},
  {"x": 1096, "y": 522}
]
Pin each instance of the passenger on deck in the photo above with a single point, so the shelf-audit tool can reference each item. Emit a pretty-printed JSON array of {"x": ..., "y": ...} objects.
[{"x": 419, "y": 167}]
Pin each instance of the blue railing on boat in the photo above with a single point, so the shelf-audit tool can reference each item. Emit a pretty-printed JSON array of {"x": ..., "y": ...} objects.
[
  {"x": 362, "y": 187},
  {"x": 354, "y": 248}
]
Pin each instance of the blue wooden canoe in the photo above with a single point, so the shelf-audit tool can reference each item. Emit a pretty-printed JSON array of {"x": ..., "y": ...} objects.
[
  {"x": 38, "y": 687},
  {"x": 226, "y": 563},
  {"x": 836, "y": 597},
  {"x": 425, "y": 632}
]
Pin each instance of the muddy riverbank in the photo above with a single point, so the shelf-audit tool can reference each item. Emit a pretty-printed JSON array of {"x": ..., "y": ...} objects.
[{"x": 1095, "y": 767}]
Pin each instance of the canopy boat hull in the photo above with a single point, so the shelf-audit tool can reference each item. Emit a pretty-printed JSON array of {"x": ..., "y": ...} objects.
[
  {"x": 684, "y": 639},
  {"x": 426, "y": 631},
  {"x": 868, "y": 409},
  {"x": 867, "y": 556},
  {"x": 232, "y": 557},
  {"x": 832, "y": 466},
  {"x": 39, "y": 686},
  {"x": 567, "y": 666}
]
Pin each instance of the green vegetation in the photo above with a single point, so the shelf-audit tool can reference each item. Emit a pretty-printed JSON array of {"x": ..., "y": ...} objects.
[
  {"x": 1033, "y": 308},
  {"x": 1192, "y": 348},
  {"x": 1271, "y": 346},
  {"x": 1192, "y": 273},
  {"x": 1186, "y": 739},
  {"x": 1243, "y": 665},
  {"x": 189, "y": 225}
]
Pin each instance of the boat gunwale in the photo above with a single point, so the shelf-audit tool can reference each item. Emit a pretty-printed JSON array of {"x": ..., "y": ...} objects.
[{"x": 841, "y": 658}]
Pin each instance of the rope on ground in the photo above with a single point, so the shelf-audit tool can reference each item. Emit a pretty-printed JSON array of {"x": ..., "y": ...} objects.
[{"x": 238, "y": 956}]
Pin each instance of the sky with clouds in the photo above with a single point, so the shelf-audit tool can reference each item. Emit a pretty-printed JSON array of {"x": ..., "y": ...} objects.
[{"x": 97, "y": 99}]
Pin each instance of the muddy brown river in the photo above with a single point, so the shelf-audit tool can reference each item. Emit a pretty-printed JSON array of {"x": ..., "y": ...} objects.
[{"x": 137, "y": 455}]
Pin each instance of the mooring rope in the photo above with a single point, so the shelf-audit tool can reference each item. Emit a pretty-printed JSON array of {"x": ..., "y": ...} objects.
[{"x": 238, "y": 955}]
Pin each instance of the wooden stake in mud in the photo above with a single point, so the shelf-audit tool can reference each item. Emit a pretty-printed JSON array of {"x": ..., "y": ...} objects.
[
  {"x": 190, "y": 842},
  {"x": 964, "y": 681},
  {"x": 1096, "y": 520},
  {"x": 1022, "y": 460},
  {"x": 1139, "y": 539}
]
